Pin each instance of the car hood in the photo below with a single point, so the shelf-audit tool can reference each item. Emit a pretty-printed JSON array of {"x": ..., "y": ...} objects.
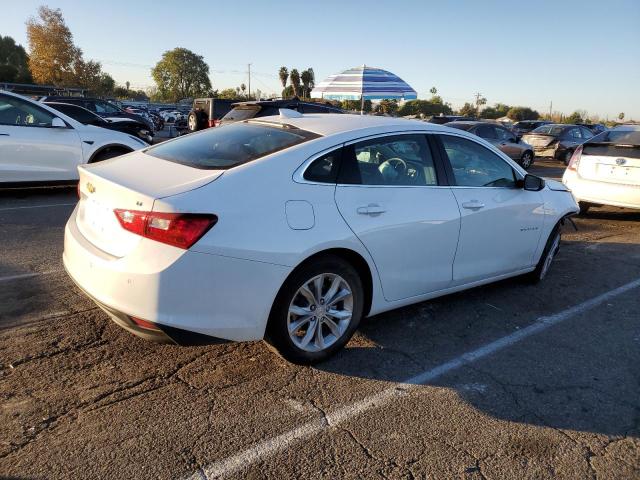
[{"x": 555, "y": 185}]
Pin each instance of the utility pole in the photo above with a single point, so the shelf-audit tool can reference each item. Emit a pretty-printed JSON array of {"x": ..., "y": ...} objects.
[
  {"x": 550, "y": 109},
  {"x": 249, "y": 82}
]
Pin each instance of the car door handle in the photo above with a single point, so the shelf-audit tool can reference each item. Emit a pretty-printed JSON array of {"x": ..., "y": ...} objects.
[
  {"x": 473, "y": 205},
  {"x": 371, "y": 209},
  {"x": 503, "y": 143}
]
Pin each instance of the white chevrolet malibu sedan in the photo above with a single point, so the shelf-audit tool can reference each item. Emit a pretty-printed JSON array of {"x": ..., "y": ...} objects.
[{"x": 292, "y": 228}]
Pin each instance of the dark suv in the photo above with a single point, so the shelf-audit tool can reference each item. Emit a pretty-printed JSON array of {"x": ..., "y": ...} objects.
[
  {"x": 100, "y": 107},
  {"x": 264, "y": 108},
  {"x": 207, "y": 112}
]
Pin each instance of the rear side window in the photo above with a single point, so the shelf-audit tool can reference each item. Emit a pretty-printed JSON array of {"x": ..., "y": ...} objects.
[
  {"x": 486, "y": 131},
  {"x": 228, "y": 146},
  {"x": 324, "y": 169}
]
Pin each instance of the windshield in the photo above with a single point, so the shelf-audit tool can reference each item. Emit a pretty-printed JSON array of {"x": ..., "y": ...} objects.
[
  {"x": 624, "y": 137},
  {"x": 549, "y": 130},
  {"x": 226, "y": 147},
  {"x": 241, "y": 113}
]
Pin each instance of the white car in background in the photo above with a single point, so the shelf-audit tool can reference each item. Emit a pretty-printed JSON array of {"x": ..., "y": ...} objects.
[
  {"x": 606, "y": 169},
  {"x": 41, "y": 145},
  {"x": 294, "y": 227}
]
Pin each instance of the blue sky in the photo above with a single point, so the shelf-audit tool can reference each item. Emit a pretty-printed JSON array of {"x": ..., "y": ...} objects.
[{"x": 579, "y": 54}]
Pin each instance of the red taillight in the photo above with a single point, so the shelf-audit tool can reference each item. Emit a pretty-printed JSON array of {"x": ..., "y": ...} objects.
[
  {"x": 178, "y": 229},
  {"x": 212, "y": 123},
  {"x": 575, "y": 159}
]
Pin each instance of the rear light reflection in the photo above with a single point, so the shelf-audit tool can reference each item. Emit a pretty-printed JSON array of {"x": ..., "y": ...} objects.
[
  {"x": 575, "y": 159},
  {"x": 144, "y": 323},
  {"x": 181, "y": 230}
]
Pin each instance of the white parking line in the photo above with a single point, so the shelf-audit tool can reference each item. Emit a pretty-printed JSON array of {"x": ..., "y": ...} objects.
[
  {"x": 27, "y": 275},
  {"x": 266, "y": 448},
  {"x": 38, "y": 206}
]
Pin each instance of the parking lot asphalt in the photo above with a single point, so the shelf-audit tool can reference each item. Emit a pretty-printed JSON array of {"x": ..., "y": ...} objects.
[{"x": 509, "y": 380}]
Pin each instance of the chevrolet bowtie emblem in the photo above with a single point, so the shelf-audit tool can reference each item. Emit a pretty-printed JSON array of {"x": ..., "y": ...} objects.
[{"x": 90, "y": 187}]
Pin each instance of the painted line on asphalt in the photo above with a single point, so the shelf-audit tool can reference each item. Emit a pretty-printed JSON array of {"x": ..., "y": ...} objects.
[
  {"x": 5, "y": 209},
  {"x": 27, "y": 275},
  {"x": 266, "y": 448}
]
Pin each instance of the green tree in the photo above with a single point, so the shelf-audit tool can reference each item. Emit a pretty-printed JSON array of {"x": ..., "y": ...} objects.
[
  {"x": 499, "y": 110},
  {"x": 294, "y": 78},
  {"x": 307, "y": 78},
  {"x": 14, "y": 66},
  {"x": 621, "y": 116},
  {"x": 181, "y": 74},
  {"x": 228, "y": 93},
  {"x": 243, "y": 87},
  {"x": 575, "y": 117},
  {"x": 283, "y": 73},
  {"x": 387, "y": 107},
  {"x": 426, "y": 108},
  {"x": 522, "y": 113},
  {"x": 468, "y": 110}
]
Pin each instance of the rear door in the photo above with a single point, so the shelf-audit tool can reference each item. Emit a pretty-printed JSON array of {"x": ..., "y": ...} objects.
[
  {"x": 31, "y": 150},
  {"x": 500, "y": 223},
  {"x": 397, "y": 203}
]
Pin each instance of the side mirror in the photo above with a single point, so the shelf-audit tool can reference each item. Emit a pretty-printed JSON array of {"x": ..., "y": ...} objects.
[
  {"x": 58, "y": 123},
  {"x": 533, "y": 183}
]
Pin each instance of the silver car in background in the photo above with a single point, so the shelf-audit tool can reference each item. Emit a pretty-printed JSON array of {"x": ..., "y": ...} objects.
[{"x": 501, "y": 137}]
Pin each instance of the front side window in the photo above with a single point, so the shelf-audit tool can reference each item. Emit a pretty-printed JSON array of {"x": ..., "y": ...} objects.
[
  {"x": 400, "y": 160},
  {"x": 586, "y": 133},
  {"x": 476, "y": 166},
  {"x": 106, "y": 107},
  {"x": 504, "y": 134},
  {"x": 232, "y": 145},
  {"x": 18, "y": 112}
]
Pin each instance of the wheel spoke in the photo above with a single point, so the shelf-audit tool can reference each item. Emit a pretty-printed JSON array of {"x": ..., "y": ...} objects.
[
  {"x": 319, "y": 340},
  {"x": 332, "y": 326},
  {"x": 296, "y": 325},
  {"x": 339, "y": 314},
  {"x": 311, "y": 331},
  {"x": 341, "y": 295},
  {"x": 317, "y": 285},
  {"x": 333, "y": 289},
  {"x": 306, "y": 293},
  {"x": 300, "y": 311}
]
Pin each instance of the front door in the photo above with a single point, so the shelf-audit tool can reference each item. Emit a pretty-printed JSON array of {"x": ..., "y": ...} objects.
[
  {"x": 501, "y": 223},
  {"x": 388, "y": 193}
]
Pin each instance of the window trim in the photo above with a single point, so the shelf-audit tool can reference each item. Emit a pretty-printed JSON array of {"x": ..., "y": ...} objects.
[{"x": 518, "y": 175}]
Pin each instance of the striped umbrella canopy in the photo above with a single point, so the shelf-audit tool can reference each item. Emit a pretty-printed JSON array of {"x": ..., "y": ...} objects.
[{"x": 364, "y": 83}]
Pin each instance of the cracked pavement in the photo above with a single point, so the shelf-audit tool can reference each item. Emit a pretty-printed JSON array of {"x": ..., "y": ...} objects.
[{"x": 82, "y": 398}]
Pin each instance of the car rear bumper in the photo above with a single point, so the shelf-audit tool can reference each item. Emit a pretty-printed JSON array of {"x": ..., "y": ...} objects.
[
  {"x": 604, "y": 193},
  {"x": 185, "y": 294}
]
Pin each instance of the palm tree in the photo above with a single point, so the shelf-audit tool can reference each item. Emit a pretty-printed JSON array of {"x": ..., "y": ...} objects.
[
  {"x": 433, "y": 91},
  {"x": 283, "y": 73},
  {"x": 243, "y": 87},
  {"x": 294, "y": 77},
  {"x": 127, "y": 84},
  {"x": 305, "y": 76}
]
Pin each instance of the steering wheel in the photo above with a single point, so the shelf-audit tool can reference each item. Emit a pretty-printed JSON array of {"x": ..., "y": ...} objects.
[{"x": 398, "y": 165}]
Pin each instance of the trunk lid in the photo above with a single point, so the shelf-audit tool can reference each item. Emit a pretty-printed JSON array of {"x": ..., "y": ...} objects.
[
  {"x": 538, "y": 139},
  {"x": 613, "y": 163},
  {"x": 133, "y": 181}
]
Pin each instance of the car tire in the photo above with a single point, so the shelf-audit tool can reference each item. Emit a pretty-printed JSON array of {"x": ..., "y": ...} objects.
[
  {"x": 193, "y": 122},
  {"x": 584, "y": 207},
  {"x": 526, "y": 160},
  {"x": 566, "y": 157},
  {"x": 317, "y": 330},
  {"x": 108, "y": 153},
  {"x": 546, "y": 259}
]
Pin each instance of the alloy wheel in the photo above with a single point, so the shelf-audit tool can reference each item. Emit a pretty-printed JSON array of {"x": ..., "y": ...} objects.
[
  {"x": 526, "y": 160},
  {"x": 320, "y": 312}
]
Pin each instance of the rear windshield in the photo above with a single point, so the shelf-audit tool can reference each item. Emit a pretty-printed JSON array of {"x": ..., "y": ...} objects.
[
  {"x": 459, "y": 126},
  {"x": 624, "y": 137},
  {"x": 549, "y": 129},
  {"x": 242, "y": 113},
  {"x": 228, "y": 146}
]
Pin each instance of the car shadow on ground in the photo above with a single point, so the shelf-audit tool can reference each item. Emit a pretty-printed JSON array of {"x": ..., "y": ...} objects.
[{"x": 584, "y": 380}]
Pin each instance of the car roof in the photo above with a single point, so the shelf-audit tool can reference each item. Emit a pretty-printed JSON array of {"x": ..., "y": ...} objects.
[
  {"x": 283, "y": 103},
  {"x": 326, "y": 124}
]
